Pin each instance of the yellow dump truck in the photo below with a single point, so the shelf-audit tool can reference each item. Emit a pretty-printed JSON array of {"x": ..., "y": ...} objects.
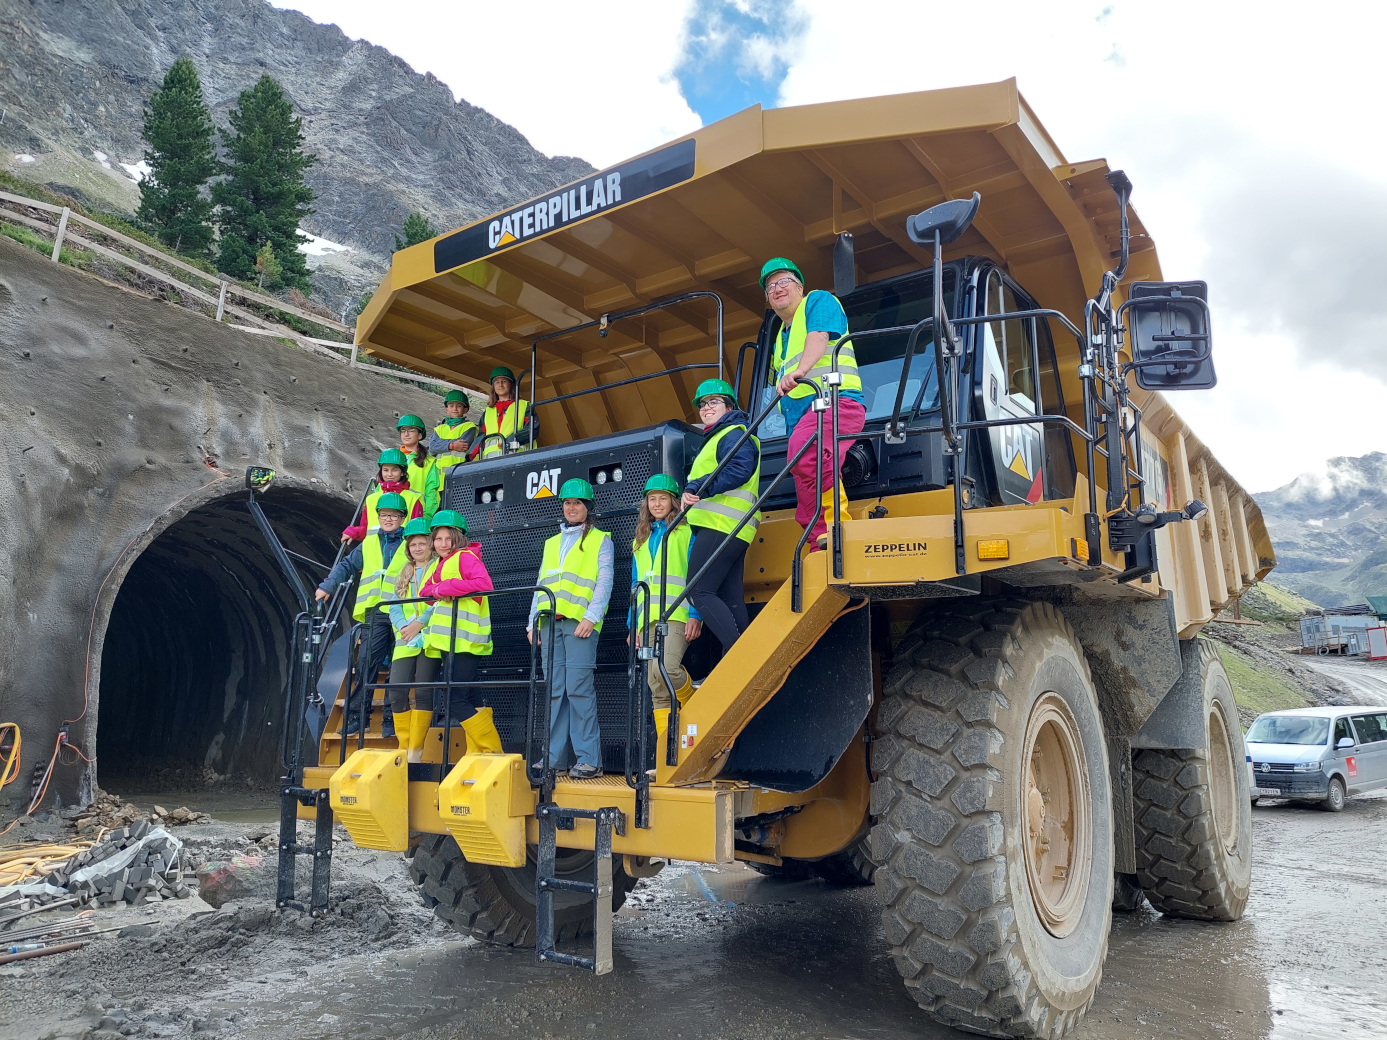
[{"x": 987, "y": 697}]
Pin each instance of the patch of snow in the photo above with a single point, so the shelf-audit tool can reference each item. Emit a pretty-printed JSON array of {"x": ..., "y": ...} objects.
[
  {"x": 102, "y": 158},
  {"x": 316, "y": 246},
  {"x": 138, "y": 171},
  {"x": 25, "y": 157},
  {"x": 1315, "y": 523}
]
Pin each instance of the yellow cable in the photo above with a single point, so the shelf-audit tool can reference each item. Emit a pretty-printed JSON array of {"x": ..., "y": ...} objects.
[
  {"x": 11, "y": 767},
  {"x": 19, "y": 863}
]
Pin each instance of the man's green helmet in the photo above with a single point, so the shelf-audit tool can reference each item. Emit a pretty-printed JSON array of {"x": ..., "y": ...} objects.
[
  {"x": 661, "y": 482},
  {"x": 577, "y": 487},
  {"x": 498, "y": 372},
  {"x": 411, "y": 420},
  {"x": 392, "y": 457},
  {"x": 448, "y": 518},
  {"x": 416, "y": 526},
  {"x": 779, "y": 263},
  {"x": 456, "y": 395},
  {"x": 391, "y": 500},
  {"x": 714, "y": 388}
]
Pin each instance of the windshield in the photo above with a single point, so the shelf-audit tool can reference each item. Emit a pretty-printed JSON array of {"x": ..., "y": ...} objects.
[
  {"x": 1288, "y": 729},
  {"x": 901, "y": 301}
]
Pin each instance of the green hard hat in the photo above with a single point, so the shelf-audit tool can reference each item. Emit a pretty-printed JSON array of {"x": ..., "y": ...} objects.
[
  {"x": 661, "y": 482},
  {"x": 448, "y": 518},
  {"x": 392, "y": 500},
  {"x": 577, "y": 487},
  {"x": 456, "y": 395},
  {"x": 416, "y": 526},
  {"x": 501, "y": 370},
  {"x": 392, "y": 457},
  {"x": 714, "y": 388},
  {"x": 779, "y": 263},
  {"x": 411, "y": 420}
]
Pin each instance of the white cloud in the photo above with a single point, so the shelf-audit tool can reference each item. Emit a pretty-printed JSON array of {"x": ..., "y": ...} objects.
[{"x": 595, "y": 82}]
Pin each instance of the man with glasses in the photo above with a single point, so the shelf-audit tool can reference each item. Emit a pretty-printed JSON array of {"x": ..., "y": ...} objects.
[{"x": 811, "y": 325}]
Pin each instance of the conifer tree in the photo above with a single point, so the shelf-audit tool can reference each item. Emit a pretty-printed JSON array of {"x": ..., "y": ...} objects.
[
  {"x": 264, "y": 197},
  {"x": 178, "y": 129},
  {"x": 417, "y": 229}
]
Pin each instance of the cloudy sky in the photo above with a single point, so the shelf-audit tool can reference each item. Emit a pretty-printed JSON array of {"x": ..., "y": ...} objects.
[{"x": 1253, "y": 134}]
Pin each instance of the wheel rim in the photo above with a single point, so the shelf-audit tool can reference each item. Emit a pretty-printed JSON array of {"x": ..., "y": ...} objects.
[
  {"x": 1336, "y": 793},
  {"x": 1222, "y": 785},
  {"x": 1056, "y": 802}
]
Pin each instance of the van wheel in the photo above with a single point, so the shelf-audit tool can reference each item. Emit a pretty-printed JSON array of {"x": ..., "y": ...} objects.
[
  {"x": 1193, "y": 812},
  {"x": 1334, "y": 801},
  {"x": 992, "y": 819},
  {"x": 497, "y": 904}
]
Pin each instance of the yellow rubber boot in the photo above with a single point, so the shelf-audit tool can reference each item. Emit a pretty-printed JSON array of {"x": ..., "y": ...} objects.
[
  {"x": 481, "y": 732},
  {"x": 419, "y": 722},
  {"x": 686, "y": 691},
  {"x": 661, "y": 725},
  {"x": 827, "y": 499}
]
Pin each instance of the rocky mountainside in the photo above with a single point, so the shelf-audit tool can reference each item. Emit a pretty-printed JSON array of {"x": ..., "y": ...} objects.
[
  {"x": 74, "y": 78},
  {"x": 1329, "y": 530}
]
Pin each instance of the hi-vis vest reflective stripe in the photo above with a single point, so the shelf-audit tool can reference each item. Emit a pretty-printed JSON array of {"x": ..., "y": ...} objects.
[
  {"x": 373, "y": 569},
  {"x": 373, "y": 518},
  {"x": 474, "y": 615},
  {"x": 453, "y": 432},
  {"x": 787, "y": 355},
  {"x": 676, "y": 575},
  {"x": 723, "y": 512},
  {"x": 506, "y": 428},
  {"x": 412, "y": 610},
  {"x": 572, "y": 579}
]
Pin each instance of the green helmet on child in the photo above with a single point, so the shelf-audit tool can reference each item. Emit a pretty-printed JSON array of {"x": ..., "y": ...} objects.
[
  {"x": 416, "y": 526},
  {"x": 715, "y": 388},
  {"x": 663, "y": 482},
  {"x": 391, "y": 500},
  {"x": 411, "y": 420},
  {"x": 456, "y": 396},
  {"x": 577, "y": 487},
  {"x": 392, "y": 457},
  {"x": 448, "y": 518}
]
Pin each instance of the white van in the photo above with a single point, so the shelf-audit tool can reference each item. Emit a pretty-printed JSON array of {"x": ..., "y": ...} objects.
[{"x": 1318, "y": 754}]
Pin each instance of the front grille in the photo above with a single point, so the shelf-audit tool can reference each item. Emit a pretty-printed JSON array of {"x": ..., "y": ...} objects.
[{"x": 1282, "y": 776}]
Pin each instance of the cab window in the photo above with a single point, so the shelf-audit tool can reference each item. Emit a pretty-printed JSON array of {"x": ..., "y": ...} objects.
[{"x": 1014, "y": 341}]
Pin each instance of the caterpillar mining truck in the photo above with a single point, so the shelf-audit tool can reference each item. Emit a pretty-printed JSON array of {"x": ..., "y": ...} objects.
[{"x": 987, "y": 698}]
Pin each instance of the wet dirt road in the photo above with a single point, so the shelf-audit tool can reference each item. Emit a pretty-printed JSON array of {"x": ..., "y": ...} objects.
[
  {"x": 726, "y": 953},
  {"x": 1367, "y": 679}
]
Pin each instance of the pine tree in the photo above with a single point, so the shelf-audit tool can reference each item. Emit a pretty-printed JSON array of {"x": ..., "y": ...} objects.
[
  {"x": 417, "y": 229},
  {"x": 264, "y": 197},
  {"x": 178, "y": 129},
  {"x": 269, "y": 271}
]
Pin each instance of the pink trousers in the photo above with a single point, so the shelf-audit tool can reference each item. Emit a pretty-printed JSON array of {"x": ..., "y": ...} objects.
[{"x": 809, "y": 491}]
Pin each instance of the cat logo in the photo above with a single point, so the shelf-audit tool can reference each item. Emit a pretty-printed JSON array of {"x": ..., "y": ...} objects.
[{"x": 542, "y": 484}]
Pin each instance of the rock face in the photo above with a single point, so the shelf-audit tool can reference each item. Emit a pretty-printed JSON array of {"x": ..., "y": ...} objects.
[
  {"x": 139, "y": 604},
  {"x": 1330, "y": 531},
  {"x": 388, "y": 140}
]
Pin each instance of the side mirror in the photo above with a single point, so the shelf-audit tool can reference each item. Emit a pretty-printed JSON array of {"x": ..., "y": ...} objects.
[
  {"x": 1344, "y": 742},
  {"x": 844, "y": 266},
  {"x": 950, "y": 219},
  {"x": 1168, "y": 323},
  {"x": 258, "y": 478}
]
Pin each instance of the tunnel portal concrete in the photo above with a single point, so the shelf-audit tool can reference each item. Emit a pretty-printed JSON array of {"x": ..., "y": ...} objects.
[{"x": 127, "y": 426}]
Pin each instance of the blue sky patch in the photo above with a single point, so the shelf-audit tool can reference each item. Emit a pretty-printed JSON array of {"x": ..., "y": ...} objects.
[{"x": 736, "y": 54}]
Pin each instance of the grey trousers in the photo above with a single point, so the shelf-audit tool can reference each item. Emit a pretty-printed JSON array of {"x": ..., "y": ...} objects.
[
  {"x": 675, "y": 645},
  {"x": 573, "y": 698}
]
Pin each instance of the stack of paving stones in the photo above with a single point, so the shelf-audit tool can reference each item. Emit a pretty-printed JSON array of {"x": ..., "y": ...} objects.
[{"x": 155, "y": 873}]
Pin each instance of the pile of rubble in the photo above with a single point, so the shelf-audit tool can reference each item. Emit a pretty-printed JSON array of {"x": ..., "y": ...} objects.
[{"x": 108, "y": 810}]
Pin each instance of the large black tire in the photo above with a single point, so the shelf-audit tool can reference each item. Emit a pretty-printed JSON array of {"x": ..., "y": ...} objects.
[
  {"x": 851, "y": 867},
  {"x": 954, "y": 810},
  {"x": 497, "y": 904},
  {"x": 1193, "y": 812}
]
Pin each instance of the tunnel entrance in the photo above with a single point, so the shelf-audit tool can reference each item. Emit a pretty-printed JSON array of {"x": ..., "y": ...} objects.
[{"x": 193, "y": 662}]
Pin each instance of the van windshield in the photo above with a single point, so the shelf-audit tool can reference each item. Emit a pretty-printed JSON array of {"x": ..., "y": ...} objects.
[{"x": 1288, "y": 729}]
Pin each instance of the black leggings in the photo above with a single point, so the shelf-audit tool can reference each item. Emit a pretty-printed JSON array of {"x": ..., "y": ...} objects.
[
  {"x": 422, "y": 669},
  {"x": 718, "y": 596}
]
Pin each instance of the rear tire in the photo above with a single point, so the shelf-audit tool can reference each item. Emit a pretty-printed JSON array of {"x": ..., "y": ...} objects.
[
  {"x": 1334, "y": 801},
  {"x": 497, "y": 904},
  {"x": 992, "y": 819},
  {"x": 1193, "y": 812},
  {"x": 851, "y": 867}
]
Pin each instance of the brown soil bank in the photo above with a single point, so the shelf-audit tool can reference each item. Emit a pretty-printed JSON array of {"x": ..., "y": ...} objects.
[{"x": 138, "y": 599}]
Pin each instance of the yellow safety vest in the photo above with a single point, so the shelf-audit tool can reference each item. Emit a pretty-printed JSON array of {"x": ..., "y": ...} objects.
[
  {"x": 373, "y": 584},
  {"x": 787, "y": 355},
  {"x": 473, "y": 634},
  {"x": 452, "y": 432},
  {"x": 572, "y": 579},
  {"x": 723, "y": 512},
  {"x": 676, "y": 576},
  {"x": 496, "y": 432},
  {"x": 373, "y": 518},
  {"x": 424, "y": 481},
  {"x": 411, "y": 610}
]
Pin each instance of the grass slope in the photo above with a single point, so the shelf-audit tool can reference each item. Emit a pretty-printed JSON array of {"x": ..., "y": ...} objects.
[{"x": 1256, "y": 687}]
